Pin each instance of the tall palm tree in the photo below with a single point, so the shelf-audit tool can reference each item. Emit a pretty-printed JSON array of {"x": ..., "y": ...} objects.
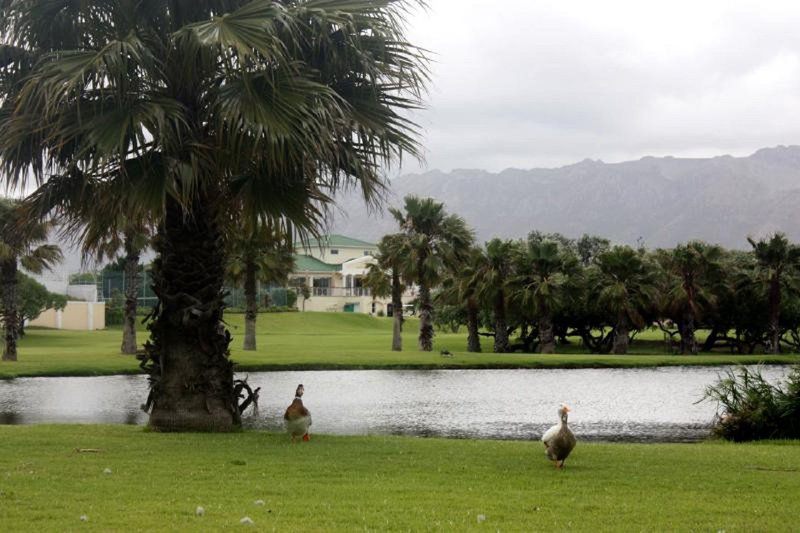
[
  {"x": 542, "y": 269},
  {"x": 460, "y": 288},
  {"x": 491, "y": 277},
  {"x": 262, "y": 254},
  {"x": 20, "y": 245},
  {"x": 691, "y": 271},
  {"x": 206, "y": 107},
  {"x": 629, "y": 290},
  {"x": 384, "y": 279},
  {"x": 433, "y": 239},
  {"x": 123, "y": 230},
  {"x": 777, "y": 261}
]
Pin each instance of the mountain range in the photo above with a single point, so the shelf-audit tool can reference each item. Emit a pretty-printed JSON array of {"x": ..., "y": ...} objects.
[{"x": 657, "y": 201}]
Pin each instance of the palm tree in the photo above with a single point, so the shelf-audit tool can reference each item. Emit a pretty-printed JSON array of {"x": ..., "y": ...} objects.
[
  {"x": 433, "y": 239},
  {"x": 261, "y": 254},
  {"x": 20, "y": 245},
  {"x": 460, "y": 288},
  {"x": 542, "y": 268},
  {"x": 777, "y": 261},
  {"x": 491, "y": 277},
  {"x": 384, "y": 279},
  {"x": 629, "y": 290},
  {"x": 123, "y": 230},
  {"x": 691, "y": 271},
  {"x": 207, "y": 108}
]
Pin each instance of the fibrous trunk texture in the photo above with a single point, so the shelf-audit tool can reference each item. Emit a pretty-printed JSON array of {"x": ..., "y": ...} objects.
[
  {"x": 251, "y": 304},
  {"x": 131, "y": 294},
  {"x": 500, "y": 329},
  {"x": 397, "y": 312},
  {"x": 775, "y": 314},
  {"x": 547, "y": 340},
  {"x": 425, "y": 319},
  {"x": 425, "y": 307},
  {"x": 8, "y": 277},
  {"x": 688, "y": 340},
  {"x": 473, "y": 339},
  {"x": 192, "y": 385},
  {"x": 621, "y": 337}
]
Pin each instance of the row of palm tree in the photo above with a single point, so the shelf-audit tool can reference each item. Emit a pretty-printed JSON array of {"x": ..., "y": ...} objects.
[{"x": 548, "y": 288}]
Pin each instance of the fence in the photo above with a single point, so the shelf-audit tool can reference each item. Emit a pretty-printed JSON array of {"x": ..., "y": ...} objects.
[{"x": 108, "y": 283}]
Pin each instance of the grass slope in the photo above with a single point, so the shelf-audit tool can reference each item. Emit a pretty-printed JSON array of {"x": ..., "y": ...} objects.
[
  {"x": 332, "y": 341},
  {"x": 384, "y": 483}
]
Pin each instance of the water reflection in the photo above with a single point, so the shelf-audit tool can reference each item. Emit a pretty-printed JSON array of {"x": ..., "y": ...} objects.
[{"x": 610, "y": 404}]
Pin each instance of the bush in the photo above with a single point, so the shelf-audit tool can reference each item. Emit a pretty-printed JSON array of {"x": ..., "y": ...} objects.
[
  {"x": 115, "y": 309},
  {"x": 381, "y": 313},
  {"x": 753, "y": 409},
  {"x": 83, "y": 278},
  {"x": 291, "y": 299}
]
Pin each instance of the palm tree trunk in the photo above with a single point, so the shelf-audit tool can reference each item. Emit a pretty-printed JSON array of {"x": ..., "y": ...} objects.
[
  {"x": 688, "y": 340},
  {"x": 191, "y": 376},
  {"x": 425, "y": 318},
  {"x": 473, "y": 339},
  {"x": 775, "y": 313},
  {"x": 8, "y": 278},
  {"x": 251, "y": 304},
  {"x": 500, "y": 329},
  {"x": 621, "y": 336},
  {"x": 131, "y": 294},
  {"x": 547, "y": 340},
  {"x": 397, "y": 312}
]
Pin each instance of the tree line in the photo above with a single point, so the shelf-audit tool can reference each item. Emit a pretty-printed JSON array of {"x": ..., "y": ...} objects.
[{"x": 537, "y": 293}]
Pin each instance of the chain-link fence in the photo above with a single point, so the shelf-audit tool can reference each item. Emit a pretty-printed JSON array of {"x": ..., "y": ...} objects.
[{"x": 109, "y": 282}]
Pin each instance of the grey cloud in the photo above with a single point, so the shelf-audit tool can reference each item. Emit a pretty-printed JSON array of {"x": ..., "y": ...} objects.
[{"x": 536, "y": 83}]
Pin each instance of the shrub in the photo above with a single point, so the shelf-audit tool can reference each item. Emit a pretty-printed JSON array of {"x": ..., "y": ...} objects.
[
  {"x": 753, "y": 408},
  {"x": 115, "y": 313},
  {"x": 381, "y": 313}
]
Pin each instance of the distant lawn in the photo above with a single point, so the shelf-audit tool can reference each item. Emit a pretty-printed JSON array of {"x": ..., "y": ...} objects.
[
  {"x": 335, "y": 341},
  {"x": 157, "y": 481}
]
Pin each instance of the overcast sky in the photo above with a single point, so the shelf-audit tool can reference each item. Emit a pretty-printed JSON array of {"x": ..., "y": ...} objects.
[{"x": 532, "y": 83}]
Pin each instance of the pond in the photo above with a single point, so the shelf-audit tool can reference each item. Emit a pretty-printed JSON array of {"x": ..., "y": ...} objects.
[{"x": 658, "y": 404}]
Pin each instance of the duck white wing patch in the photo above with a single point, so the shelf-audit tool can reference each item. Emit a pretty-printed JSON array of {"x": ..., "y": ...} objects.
[{"x": 550, "y": 433}]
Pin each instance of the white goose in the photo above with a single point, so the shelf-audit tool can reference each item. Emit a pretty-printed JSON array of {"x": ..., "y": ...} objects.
[{"x": 559, "y": 440}]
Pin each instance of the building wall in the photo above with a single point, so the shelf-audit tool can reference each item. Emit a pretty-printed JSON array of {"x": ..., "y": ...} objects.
[
  {"x": 82, "y": 316},
  {"x": 337, "y": 304},
  {"x": 345, "y": 254}
]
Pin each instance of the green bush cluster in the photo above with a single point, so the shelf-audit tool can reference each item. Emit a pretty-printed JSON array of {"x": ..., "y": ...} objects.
[
  {"x": 753, "y": 408},
  {"x": 115, "y": 309}
]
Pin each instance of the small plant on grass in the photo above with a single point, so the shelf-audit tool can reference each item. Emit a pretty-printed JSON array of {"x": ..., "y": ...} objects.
[{"x": 753, "y": 408}]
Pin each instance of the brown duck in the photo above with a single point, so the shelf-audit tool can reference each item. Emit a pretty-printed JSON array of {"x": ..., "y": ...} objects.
[
  {"x": 297, "y": 417},
  {"x": 559, "y": 440}
]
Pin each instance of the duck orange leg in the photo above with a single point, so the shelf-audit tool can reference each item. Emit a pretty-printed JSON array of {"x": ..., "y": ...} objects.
[{"x": 306, "y": 437}]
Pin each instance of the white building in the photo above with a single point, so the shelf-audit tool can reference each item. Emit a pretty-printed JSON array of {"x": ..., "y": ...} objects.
[{"x": 333, "y": 268}]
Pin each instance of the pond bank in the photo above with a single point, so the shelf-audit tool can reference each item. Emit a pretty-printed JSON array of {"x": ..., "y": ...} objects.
[
  {"x": 54, "y": 474},
  {"x": 330, "y": 341}
]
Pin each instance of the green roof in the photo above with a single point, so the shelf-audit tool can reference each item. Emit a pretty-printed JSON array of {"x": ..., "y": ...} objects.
[
  {"x": 340, "y": 241},
  {"x": 306, "y": 263}
]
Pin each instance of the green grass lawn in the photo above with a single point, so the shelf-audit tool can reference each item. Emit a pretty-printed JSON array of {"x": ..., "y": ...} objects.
[
  {"x": 333, "y": 341},
  {"x": 385, "y": 483}
]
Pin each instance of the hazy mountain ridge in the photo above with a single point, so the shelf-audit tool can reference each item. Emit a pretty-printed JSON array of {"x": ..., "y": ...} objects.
[{"x": 662, "y": 200}]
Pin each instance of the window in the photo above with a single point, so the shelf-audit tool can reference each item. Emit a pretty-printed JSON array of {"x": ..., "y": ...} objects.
[
  {"x": 334, "y": 251},
  {"x": 367, "y": 252}
]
